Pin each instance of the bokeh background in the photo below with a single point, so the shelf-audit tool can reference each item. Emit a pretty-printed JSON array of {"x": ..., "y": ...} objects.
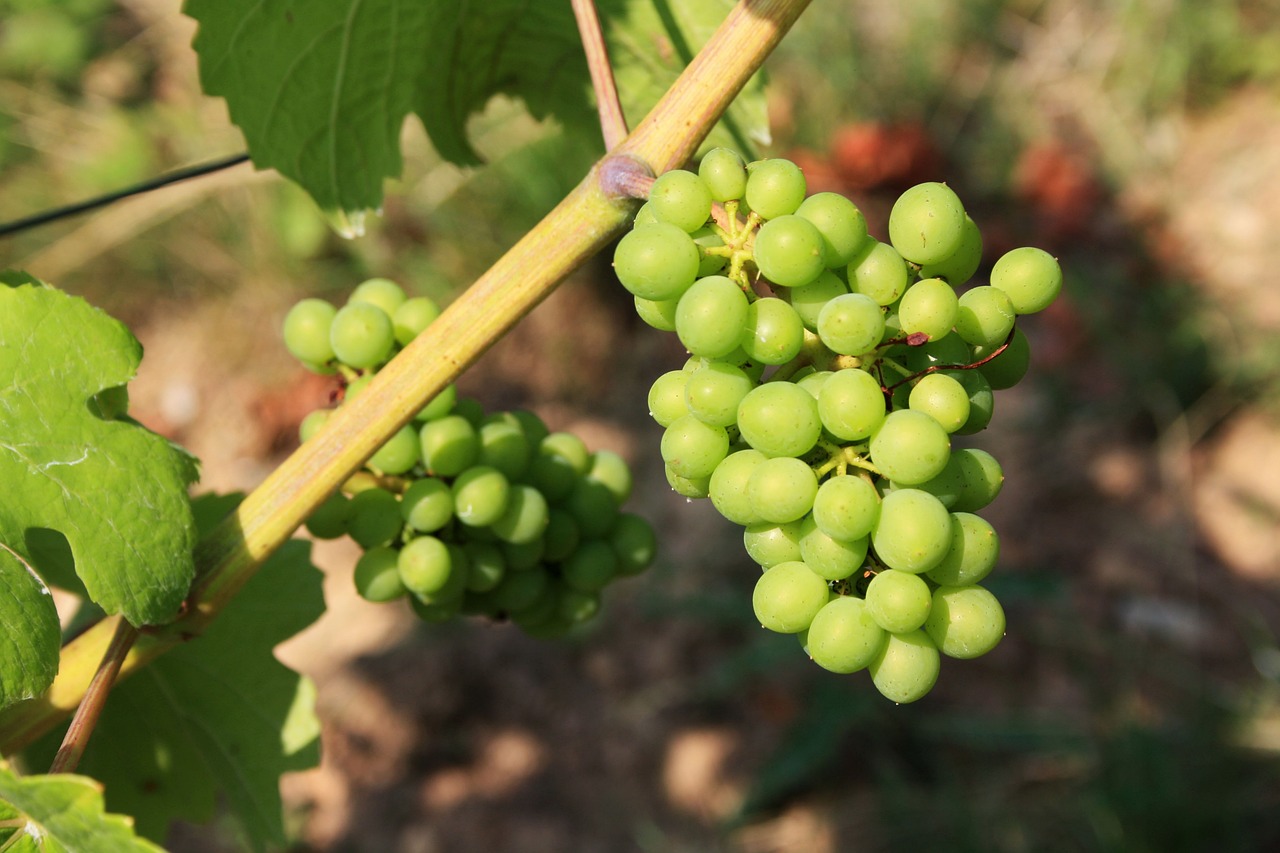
[{"x": 1134, "y": 705}]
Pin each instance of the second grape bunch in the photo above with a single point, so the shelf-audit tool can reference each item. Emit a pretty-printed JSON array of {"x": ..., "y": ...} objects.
[{"x": 828, "y": 374}]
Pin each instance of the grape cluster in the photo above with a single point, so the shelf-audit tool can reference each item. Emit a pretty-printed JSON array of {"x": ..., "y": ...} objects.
[
  {"x": 463, "y": 512},
  {"x": 828, "y": 373}
]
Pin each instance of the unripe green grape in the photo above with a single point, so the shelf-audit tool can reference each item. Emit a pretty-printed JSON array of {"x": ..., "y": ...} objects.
[
  {"x": 949, "y": 350},
  {"x": 788, "y": 251},
  {"x": 518, "y": 590},
  {"x": 724, "y": 173},
  {"x": 480, "y": 496},
  {"x": 913, "y": 531},
  {"x": 504, "y": 446},
  {"x": 644, "y": 216},
  {"x": 591, "y": 567},
  {"x": 878, "y": 271},
  {"x": 782, "y": 489},
  {"x": 779, "y": 419},
  {"x": 910, "y": 447},
  {"x": 522, "y": 556},
  {"x": 560, "y": 461},
  {"x": 808, "y": 300},
  {"x": 711, "y": 316},
  {"x": 534, "y": 429},
  {"x": 682, "y": 199},
  {"x": 926, "y": 224},
  {"x": 813, "y": 382},
  {"x": 1006, "y": 369},
  {"x": 692, "y": 448},
  {"x": 634, "y": 543},
  {"x": 693, "y": 488},
  {"x": 449, "y": 445},
  {"x": 851, "y": 405},
  {"x": 846, "y": 507},
  {"x": 656, "y": 261},
  {"x": 311, "y": 424},
  {"x": 1030, "y": 277},
  {"x": 658, "y": 314},
  {"x": 906, "y": 667},
  {"x": 562, "y": 535},
  {"x": 898, "y": 601},
  {"x": 970, "y": 480},
  {"x": 774, "y": 188},
  {"x": 769, "y": 544},
  {"x": 425, "y": 565},
  {"x": 306, "y": 331},
  {"x": 440, "y": 405},
  {"x": 401, "y": 452},
  {"x": 375, "y": 518},
  {"x": 833, "y": 559},
  {"x": 470, "y": 410},
  {"x": 928, "y": 307},
  {"x": 788, "y": 596},
  {"x": 427, "y": 505},
  {"x": 773, "y": 332},
  {"x": 525, "y": 517},
  {"x": 485, "y": 565},
  {"x": 981, "y": 400},
  {"x": 984, "y": 316},
  {"x": 330, "y": 519},
  {"x": 728, "y": 486},
  {"x": 611, "y": 470},
  {"x": 842, "y": 225},
  {"x": 593, "y": 506},
  {"x": 709, "y": 263},
  {"x": 361, "y": 335},
  {"x": 412, "y": 317},
  {"x": 975, "y": 547},
  {"x": 942, "y": 398},
  {"x": 713, "y": 392},
  {"x": 843, "y": 637},
  {"x": 382, "y": 292},
  {"x": 960, "y": 266},
  {"x": 578, "y": 606},
  {"x": 966, "y": 621},
  {"x": 851, "y": 324},
  {"x": 667, "y": 399},
  {"x": 377, "y": 577}
]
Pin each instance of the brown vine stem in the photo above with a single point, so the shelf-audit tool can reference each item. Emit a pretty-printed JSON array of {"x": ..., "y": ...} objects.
[
  {"x": 579, "y": 227},
  {"x": 90, "y": 708},
  {"x": 613, "y": 124}
]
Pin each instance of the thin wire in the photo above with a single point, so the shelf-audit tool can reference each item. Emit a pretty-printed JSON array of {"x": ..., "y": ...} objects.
[{"x": 8, "y": 229}]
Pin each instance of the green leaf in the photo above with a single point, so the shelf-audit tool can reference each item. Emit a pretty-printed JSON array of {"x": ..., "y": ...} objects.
[
  {"x": 115, "y": 490},
  {"x": 321, "y": 91},
  {"x": 29, "y": 638},
  {"x": 61, "y": 813},
  {"x": 218, "y": 715}
]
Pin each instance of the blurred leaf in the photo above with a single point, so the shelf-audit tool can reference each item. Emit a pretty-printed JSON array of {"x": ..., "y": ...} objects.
[{"x": 29, "y": 639}]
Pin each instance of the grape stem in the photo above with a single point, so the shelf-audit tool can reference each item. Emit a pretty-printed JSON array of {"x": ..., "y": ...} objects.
[
  {"x": 911, "y": 377},
  {"x": 90, "y": 707},
  {"x": 613, "y": 123}
]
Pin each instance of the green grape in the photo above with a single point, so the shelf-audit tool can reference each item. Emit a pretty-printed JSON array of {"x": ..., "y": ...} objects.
[
  {"x": 377, "y": 577},
  {"x": 770, "y": 544},
  {"x": 926, "y": 224},
  {"x": 693, "y": 488},
  {"x": 436, "y": 611},
  {"x": 969, "y": 481},
  {"x": 774, "y": 188},
  {"x": 311, "y": 424},
  {"x": 329, "y": 520},
  {"x": 942, "y": 398},
  {"x": 808, "y": 300},
  {"x": 522, "y": 556},
  {"x": 713, "y": 392},
  {"x": 412, "y": 317},
  {"x": 851, "y": 404},
  {"x": 779, "y": 419},
  {"x": 682, "y": 199},
  {"x": 486, "y": 565},
  {"x": 525, "y": 517},
  {"x": 913, "y": 531},
  {"x": 469, "y": 410},
  {"x": 842, "y": 225},
  {"x": 929, "y": 307},
  {"x": 898, "y": 601},
  {"x": 981, "y": 400},
  {"x": 692, "y": 448},
  {"x": 401, "y": 452},
  {"x": 782, "y": 489},
  {"x": 425, "y": 565},
  {"x": 645, "y": 216},
  {"x": 534, "y": 429},
  {"x": 634, "y": 543},
  {"x": 658, "y": 314},
  {"x": 306, "y": 331},
  {"x": 788, "y": 251},
  {"x": 591, "y": 567},
  {"x": 949, "y": 350},
  {"x": 667, "y": 397},
  {"x": 910, "y": 447},
  {"x": 480, "y": 496},
  {"x": 356, "y": 387},
  {"x": 851, "y": 324},
  {"x": 427, "y": 505},
  {"x": 518, "y": 590},
  {"x": 878, "y": 271},
  {"x": 711, "y": 316},
  {"x": 593, "y": 506},
  {"x": 728, "y": 486},
  {"x": 562, "y": 535},
  {"x": 984, "y": 316},
  {"x": 504, "y": 446},
  {"x": 440, "y": 405},
  {"x": 449, "y": 445},
  {"x": 788, "y": 596},
  {"x": 562, "y": 459},
  {"x": 773, "y": 333},
  {"x": 846, "y": 507},
  {"x": 1006, "y": 369},
  {"x": 966, "y": 621},
  {"x": 906, "y": 667},
  {"x": 361, "y": 335},
  {"x": 375, "y": 518},
  {"x": 833, "y": 559},
  {"x": 1030, "y": 277},
  {"x": 843, "y": 637},
  {"x": 656, "y": 261},
  {"x": 960, "y": 266},
  {"x": 813, "y": 383},
  {"x": 975, "y": 547},
  {"x": 382, "y": 292},
  {"x": 577, "y": 606},
  {"x": 724, "y": 173},
  {"x": 611, "y": 471}
]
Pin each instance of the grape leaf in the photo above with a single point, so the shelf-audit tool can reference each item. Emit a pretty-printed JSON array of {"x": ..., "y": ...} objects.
[
  {"x": 321, "y": 91},
  {"x": 30, "y": 637},
  {"x": 61, "y": 813},
  {"x": 73, "y": 463},
  {"x": 218, "y": 715}
]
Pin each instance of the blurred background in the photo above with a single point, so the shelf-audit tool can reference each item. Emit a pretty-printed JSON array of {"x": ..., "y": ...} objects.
[{"x": 1135, "y": 703}]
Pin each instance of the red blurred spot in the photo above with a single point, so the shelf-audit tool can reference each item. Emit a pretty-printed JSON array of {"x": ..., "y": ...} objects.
[
  {"x": 1061, "y": 187},
  {"x": 871, "y": 155}
]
